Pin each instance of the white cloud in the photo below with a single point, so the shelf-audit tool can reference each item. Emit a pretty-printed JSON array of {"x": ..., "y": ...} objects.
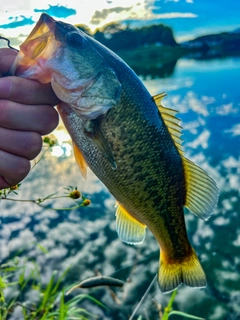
[
  {"x": 196, "y": 105},
  {"x": 237, "y": 241},
  {"x": 177, "y": 15},
  {"x": 221, "y": 221},
  {"x": 235, "y": 130},
  {"x": 201, "y": 140},
  {"x": 85, "y": 11},
  {"x": 171, "y": 15},
  {"x": 153, "y": 86}
]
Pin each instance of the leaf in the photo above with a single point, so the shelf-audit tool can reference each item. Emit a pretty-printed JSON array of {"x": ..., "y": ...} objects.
[
  {"x": 63, "y": 308},
  {"x": 21, "y": 278},
  {"x": 80, "y": 297},
  {"x": 47, "y": 293},
  {"x": 2, "y": 283},
  {"x": 186, "y": 315},
  {"x": 60, "y": 280},
  {"x": 44, "y": 250}
]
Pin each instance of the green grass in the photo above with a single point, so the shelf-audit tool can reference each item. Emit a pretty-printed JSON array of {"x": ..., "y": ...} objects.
[{"x": 52, "y": 303}]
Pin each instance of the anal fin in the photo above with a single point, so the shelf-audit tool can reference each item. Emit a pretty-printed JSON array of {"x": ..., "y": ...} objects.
[
  {"x": 128, "y": 228},
  {"x": 80, "y": 160}
]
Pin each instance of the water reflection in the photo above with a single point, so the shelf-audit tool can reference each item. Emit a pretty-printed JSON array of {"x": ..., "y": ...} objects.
[{"x": 86, "y": 240}]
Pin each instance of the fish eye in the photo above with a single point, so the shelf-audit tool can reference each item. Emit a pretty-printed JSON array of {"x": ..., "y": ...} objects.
[{"x": 74, "y": 39}]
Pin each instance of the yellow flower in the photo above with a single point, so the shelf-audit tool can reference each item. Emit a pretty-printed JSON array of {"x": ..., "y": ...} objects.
[
  {"x": 86, "y": 202},
  {"x": 75, "y": 194},
  {"x": 14, "y": 187}
]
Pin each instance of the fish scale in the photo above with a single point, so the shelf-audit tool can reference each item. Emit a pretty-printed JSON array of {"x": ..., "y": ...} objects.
[{"x": 128, "y": 139}]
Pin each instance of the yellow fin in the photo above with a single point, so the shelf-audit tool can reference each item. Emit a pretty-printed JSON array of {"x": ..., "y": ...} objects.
[
  {"x": 172, "y": 274},
  {"x": 80, "y": 160},
  {"x": 170, "y": 121},
  {"x": 128, "y": 228},
  {"x": 202, "y": 191}
]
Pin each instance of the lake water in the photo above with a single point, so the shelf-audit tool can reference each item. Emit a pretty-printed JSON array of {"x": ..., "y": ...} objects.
[{"x": 207, "y": 95}]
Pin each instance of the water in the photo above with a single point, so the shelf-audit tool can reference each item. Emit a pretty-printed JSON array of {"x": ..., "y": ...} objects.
[{"x": 207, "y": 95}]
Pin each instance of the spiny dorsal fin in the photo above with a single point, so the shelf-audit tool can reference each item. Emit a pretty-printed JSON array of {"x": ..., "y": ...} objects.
[
  {"x": 80, "y": 160},
  {"x": 201, "y": 190},
  {"x": 128, "y": 228},
  {"x": 171, "y": 121}
]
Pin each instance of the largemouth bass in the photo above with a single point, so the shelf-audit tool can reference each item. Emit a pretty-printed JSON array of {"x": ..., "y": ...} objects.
[{"x": 128, "y": 139}]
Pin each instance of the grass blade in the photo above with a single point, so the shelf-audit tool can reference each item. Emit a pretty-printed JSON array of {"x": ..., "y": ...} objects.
[{"x": 183, "y": 314}]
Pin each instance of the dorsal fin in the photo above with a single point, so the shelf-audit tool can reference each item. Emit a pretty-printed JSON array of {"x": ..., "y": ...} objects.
[
  {"x": 80, "y": 160},
  {"x": 201, "y": 190},
  {"x": 171, "y": 121}
]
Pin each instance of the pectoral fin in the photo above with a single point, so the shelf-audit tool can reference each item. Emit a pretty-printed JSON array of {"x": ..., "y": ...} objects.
[
  {"x": 93, "y": 130},
  {"x": 80, "y": 160},
  {"x": 128, "y": 228}
]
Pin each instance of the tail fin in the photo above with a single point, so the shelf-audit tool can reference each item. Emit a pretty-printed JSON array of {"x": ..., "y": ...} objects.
[{"x": 188, "y": 271}]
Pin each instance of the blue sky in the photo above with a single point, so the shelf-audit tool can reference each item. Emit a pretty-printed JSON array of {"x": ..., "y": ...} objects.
[{"x": 188, "y": 18}]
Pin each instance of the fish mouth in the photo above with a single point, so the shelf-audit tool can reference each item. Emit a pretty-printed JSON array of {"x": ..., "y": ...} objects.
[
  {"x": 39, "y": 37},
  {"x": 47, "y": 29},
  {"x": 40, "y": 44}
]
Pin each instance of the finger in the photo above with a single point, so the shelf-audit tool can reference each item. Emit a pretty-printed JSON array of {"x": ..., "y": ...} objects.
[
  {"x": 21, "y": 143},
  {"x": 13, "y": 169},
  {"x": 41, "y": 118},
  {"x": 7, "y": 57},
  {"x": 27, "y": 91},
  {"x": 4, "y": 184}
]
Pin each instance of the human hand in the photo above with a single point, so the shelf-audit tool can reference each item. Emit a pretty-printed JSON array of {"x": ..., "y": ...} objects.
[{"x": 26, "y": 113}]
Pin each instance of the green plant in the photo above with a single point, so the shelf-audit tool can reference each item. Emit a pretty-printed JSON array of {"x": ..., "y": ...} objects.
[
  {"x": 164, "y": 314},
  {"x": 168, "y": 310},
  {"x": 52, "y": 303}
]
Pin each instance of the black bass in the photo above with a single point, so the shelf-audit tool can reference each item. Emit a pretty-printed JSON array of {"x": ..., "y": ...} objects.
[{"x": 128, "y": 139}]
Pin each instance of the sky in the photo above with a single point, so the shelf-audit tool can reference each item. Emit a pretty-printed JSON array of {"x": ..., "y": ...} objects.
[{"x": 188, "y": 18}]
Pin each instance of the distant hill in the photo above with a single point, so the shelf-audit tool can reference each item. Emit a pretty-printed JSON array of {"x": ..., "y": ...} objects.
[
  {"x": 119, "y": 37},
  {"x": 153, "y": 50},
  {"x": 214, "y": 45}
]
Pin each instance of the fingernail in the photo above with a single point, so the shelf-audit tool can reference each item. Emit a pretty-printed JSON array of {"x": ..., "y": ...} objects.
[{"x": 5, "y": 88}]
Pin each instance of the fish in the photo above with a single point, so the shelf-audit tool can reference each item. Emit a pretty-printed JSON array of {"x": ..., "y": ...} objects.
[{"x": 130, "y": 141}]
